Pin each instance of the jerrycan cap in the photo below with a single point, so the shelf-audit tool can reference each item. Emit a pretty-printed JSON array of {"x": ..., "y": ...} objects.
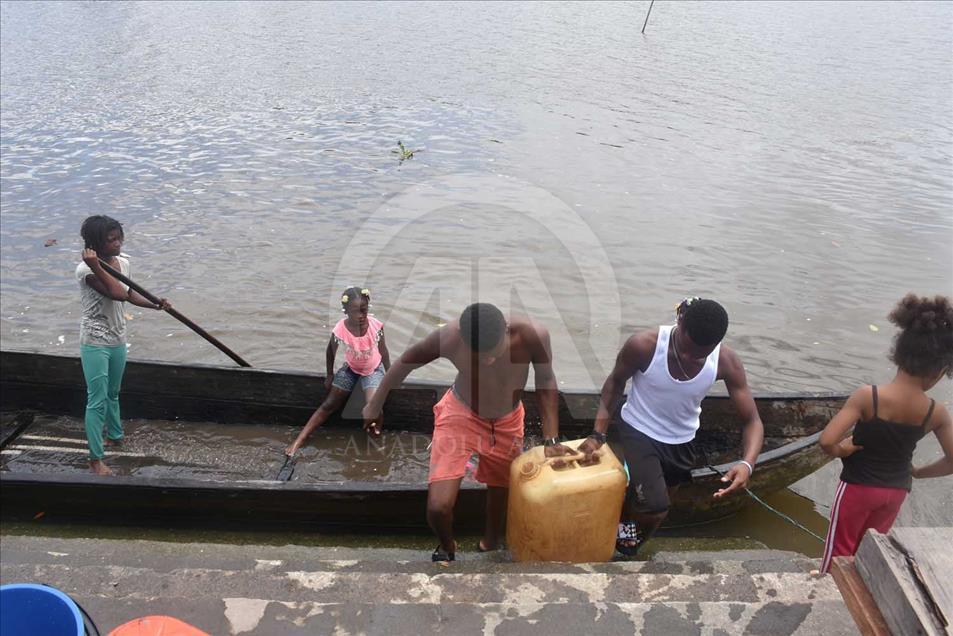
[{"x": 529, "y": 470}]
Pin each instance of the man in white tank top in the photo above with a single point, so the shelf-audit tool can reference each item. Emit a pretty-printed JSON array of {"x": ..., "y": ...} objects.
[{"x": 671, "y": 369}]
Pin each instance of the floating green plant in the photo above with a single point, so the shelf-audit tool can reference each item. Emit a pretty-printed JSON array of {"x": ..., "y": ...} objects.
[{"x": 402, "y": 153}]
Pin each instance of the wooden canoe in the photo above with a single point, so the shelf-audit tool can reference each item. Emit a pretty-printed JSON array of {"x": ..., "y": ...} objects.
[{"x": 40, "y": 387}]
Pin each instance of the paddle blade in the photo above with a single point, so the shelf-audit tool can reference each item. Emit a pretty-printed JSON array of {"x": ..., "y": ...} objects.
[{"x": 287, "y": 469}]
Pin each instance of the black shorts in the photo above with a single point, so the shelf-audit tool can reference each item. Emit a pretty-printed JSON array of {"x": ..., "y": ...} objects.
[{"x": 654, "y": 467}]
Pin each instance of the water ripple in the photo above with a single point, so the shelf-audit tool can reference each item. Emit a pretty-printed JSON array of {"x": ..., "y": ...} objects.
[{"x": 793, "y": 160}]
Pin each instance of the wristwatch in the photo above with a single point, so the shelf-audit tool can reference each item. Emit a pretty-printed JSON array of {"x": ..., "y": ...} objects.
[
  {"x": 599, "y": 437},
  {"x": 551, "y": 441}
]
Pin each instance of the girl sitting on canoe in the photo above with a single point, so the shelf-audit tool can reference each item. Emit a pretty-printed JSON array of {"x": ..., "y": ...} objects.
[
  {"x": 888, "y": 421},
  {"x": 366, "y": 359},
  {"x": 102, "y": 332}
]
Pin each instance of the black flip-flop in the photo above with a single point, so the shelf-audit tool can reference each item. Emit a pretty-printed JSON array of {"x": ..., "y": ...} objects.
[{"x": 439, "y": 556}]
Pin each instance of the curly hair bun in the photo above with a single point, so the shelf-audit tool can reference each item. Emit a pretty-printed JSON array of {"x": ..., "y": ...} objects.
[
  {"x": 922, "y": 314},
  {"x": 924, "y": 344}
]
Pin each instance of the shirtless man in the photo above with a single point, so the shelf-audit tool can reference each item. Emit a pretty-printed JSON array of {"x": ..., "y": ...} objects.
[
  {"x": 672, "y": 368},
  {"x": 482, "y": 412}
]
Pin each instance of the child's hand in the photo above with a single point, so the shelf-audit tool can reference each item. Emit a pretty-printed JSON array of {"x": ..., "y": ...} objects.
[
  {"x": 846, "y": 448},
  {"x": 291, "y": 450},
  {"x": 90, "y": 257},
  {"x": 372, "y": 421},
  {"x": 164, "y": 304}
]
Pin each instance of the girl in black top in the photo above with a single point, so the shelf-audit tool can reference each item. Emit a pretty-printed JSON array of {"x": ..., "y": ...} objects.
[{"x": 888, "y": 421}]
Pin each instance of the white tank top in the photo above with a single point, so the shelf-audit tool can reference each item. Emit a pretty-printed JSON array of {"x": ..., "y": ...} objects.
[{"x": 662, "y": 407}]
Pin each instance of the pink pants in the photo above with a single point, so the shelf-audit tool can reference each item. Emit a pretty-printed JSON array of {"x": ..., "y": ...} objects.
[{"x": 856, "y": 509}]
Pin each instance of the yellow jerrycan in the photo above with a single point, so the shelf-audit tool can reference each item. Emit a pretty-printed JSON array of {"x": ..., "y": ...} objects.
[{"x": 568, "y": 513}]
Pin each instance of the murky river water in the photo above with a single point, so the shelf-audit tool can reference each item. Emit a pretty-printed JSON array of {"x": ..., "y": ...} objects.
[
  {"x": 790, "y": 159},
  {"x": 793, "y": 160}
]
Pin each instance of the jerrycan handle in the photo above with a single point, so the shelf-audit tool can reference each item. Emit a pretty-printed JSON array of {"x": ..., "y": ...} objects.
[
  {"x": 573, "y": 459},
  {"x": 531, "y": 469}
]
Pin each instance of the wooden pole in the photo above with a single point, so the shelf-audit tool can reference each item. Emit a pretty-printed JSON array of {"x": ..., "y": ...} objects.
[
  {"x": 172, "y": 312},
  {"x": 648, "y": 13}
]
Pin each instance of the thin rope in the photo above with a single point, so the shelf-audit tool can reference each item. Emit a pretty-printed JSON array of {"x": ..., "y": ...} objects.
[{"x": 774, "y": 510}]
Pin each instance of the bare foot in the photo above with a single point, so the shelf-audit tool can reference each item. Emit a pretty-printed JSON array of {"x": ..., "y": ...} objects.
[
  {"x": 487, "y": 546},
  {"x": 113, "y": 442},
  {"x": 100, "y": 468}
]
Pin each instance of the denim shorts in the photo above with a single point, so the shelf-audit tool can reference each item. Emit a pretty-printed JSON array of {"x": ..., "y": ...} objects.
[{"x": 345, "y": 378}]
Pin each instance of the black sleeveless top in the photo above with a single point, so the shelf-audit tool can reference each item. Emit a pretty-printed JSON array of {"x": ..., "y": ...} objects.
[{"x": 887, "y": 451}]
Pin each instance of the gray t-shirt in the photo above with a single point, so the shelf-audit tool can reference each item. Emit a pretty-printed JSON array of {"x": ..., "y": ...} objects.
[{"x": 103, "y": 322}]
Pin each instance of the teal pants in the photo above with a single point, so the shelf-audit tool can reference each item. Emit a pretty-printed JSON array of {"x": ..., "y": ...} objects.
[{"x": 102, "y": 368}]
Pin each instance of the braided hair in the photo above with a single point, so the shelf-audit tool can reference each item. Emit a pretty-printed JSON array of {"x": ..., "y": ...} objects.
[
  {"x": 354, "y": 293},
  {"x": 95, "y": 229}
]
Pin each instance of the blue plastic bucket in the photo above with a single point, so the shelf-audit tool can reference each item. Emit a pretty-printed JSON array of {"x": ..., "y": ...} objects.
[{"x": 38, "y": 610}]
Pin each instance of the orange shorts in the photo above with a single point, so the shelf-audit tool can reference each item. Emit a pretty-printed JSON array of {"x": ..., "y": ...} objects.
[{"x": 458, "y": 432}]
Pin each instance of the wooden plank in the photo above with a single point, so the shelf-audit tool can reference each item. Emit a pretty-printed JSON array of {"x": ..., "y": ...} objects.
[
  {"x": 349, "y": 506},
  {"x": 930, "y": 549},
  {"x": 892, "y": 583},
  {"x": 857, "y": 598}
]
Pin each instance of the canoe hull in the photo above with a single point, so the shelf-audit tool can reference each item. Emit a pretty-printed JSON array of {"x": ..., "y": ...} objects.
[{"x": 162, "y": 391}]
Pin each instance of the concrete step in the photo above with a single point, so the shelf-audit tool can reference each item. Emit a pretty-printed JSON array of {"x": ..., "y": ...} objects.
[
  {"x": 165, "y": 556},
  {"x": 443, "y": 586},
  {"x": 263, "y": 590},
  {"x": 264, "y": 617}
]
